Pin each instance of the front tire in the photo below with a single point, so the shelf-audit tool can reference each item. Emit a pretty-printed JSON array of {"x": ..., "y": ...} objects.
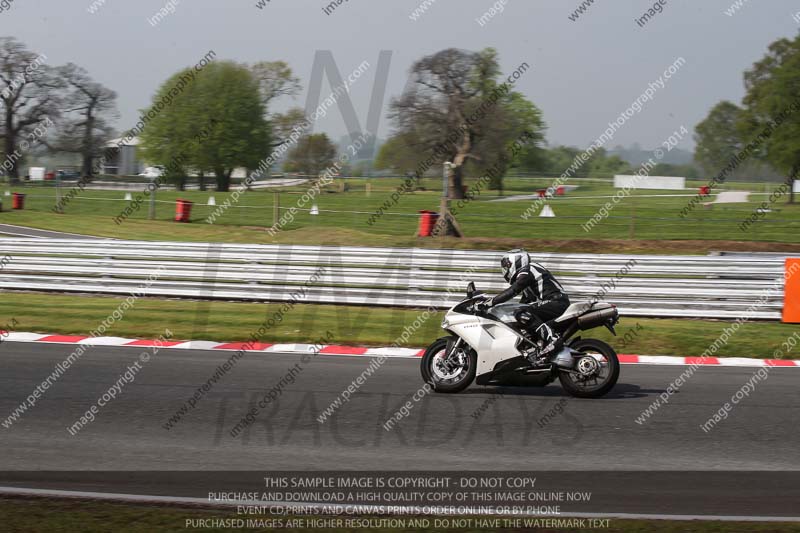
[
  {"x": 448, "y": 374},
  {"x": 582, "y": 387}
]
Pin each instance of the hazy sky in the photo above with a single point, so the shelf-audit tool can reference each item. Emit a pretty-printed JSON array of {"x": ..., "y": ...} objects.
[{"x": 583, "y": 75}]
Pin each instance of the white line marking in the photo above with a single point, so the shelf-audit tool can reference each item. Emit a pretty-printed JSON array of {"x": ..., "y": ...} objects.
[
  {"x": 395, "y": 353},
  {"x": 28, "y": 235}
]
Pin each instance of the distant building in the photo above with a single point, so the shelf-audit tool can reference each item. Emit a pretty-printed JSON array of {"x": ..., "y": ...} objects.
[{"x": 124, "y": 162}]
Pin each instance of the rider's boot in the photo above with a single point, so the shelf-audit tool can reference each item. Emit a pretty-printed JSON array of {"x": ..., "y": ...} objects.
[
  {"x": 551, "y": 342},
  {"x": 547, "y": 345},
  {"x": 533, "y": 355},
  {"x": 533, "y": 352}
]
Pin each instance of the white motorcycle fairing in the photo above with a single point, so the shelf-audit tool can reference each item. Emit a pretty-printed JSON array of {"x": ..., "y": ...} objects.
[{"x": 494, "y": 341}]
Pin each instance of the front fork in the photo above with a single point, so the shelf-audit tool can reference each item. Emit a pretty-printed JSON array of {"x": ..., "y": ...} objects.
[
  {"x": 451, "y": 347},
  {"x": 450, "y": 350}
]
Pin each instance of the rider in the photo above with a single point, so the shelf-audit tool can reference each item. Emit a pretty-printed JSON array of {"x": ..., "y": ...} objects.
[{"x": 544, "y": 295}]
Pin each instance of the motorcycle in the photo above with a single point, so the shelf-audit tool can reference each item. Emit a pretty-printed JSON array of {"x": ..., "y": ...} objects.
[{"x": 488, "y": 346}]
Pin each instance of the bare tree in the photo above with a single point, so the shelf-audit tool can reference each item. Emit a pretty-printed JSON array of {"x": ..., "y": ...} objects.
[
  {"x": 447, "y": 87},
  {"x": 276, "y": 79},
  {"x": 85, "y": 128},
  {"x": 457, "y": 110},
  {"x": 30, "y": 96}
]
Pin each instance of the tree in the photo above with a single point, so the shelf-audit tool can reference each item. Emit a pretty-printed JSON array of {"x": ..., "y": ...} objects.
[
  {"x": 667, "y": 169},
  {"x": 559, "y": 158},
  {"x": 719, "y": 137},
  {"x": 312, "y": 155},
  {"x": 456, "y": 110},
  {"x": 85, "y": 129},
  {"x": 516, "y": 124},
  {"x": 170, "y": 136},
  {"x": 29, "y": 98},
  {"x": 276, "y": 79},
  {"x": 534, "y": 159},
  {"x": 554, "y": 160},
  {"x": 284, "y": 124},
  {"x": 399, "y": 154},
  {"x": 772, "y": 104},
  {"x": 216, "y": 124},
  {"x": 601, "y": 164}
]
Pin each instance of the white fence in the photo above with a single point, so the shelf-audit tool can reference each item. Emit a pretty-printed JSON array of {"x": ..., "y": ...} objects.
[{"x": 649, "y": 182}]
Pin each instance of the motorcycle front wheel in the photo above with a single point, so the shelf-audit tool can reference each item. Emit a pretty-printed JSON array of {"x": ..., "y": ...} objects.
[{"x": 449, "y": 372}]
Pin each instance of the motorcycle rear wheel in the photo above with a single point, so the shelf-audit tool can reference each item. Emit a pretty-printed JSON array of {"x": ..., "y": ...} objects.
[
  {"x": 607, "y": 358},
  {"x": 448, "y": 375}
]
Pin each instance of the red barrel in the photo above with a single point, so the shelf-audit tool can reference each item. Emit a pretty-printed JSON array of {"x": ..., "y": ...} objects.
[
  {"x": 560, "y": 191},
  {"x": 183, "y": 210},
  {"x": 705, "y": 190},
  {"x": 427, "y": 221},
  {"x": 542, "y": 193},
  {"x": 17, "y": 201}
]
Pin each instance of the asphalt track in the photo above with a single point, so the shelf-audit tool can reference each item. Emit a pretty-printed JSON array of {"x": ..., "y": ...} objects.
[
  {"x": 665, "y": 454},
  {"x": 22, "y": 231}
]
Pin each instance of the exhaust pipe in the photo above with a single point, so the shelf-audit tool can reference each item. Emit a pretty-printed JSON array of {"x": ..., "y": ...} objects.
[{"x": 597, "y": 318}]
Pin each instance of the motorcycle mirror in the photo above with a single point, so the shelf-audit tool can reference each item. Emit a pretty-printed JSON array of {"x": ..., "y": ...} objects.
[{"x": 470, "y": 289}]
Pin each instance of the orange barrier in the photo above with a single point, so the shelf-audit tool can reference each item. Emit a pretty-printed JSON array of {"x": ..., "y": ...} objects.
[
  {"x": 791, "y": 296},
  {"x": 427, "y": 221},
  {"x": 183, "y": 210},
  {"x": 17, "y": 201}
]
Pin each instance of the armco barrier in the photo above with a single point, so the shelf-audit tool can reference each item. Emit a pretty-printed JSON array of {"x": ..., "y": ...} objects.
[{"x": 659, "y": 286}]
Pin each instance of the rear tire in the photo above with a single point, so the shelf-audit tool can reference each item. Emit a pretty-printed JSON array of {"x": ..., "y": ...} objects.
[
  {"x": 462, "y": 380},
  {"x": 592, "y": 346}
]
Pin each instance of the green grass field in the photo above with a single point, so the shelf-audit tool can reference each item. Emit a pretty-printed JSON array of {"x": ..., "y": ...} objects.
[
  {"x": 228, "y": 321},
  {"x": 343, "y": 215}
]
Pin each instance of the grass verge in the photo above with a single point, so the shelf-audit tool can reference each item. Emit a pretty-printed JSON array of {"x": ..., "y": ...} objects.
[
  {"x": 348, "y": 213},
  {"x": 235, "y": 321},
  {"x": 160, "y": 230}
]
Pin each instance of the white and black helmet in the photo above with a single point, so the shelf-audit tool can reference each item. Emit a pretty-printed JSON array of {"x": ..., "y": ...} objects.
[{"x": 514, "y": 262}]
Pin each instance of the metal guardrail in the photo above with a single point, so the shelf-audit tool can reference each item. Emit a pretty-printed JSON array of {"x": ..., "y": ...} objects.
[{"x": 657, "y": 286}]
